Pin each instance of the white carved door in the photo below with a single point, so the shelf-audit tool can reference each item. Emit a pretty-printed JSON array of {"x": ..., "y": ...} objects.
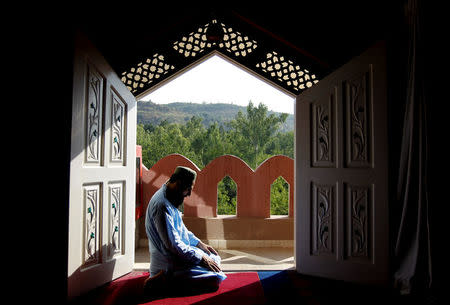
[
  {"x": 102, "y": 174},
  {"x": 341, "y": 173}
]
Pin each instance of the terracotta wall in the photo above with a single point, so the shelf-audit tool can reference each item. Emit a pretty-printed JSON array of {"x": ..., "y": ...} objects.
[
  {"x": 253, "y": 193},
  {"x": 253, "y": 187},
  {"x": 237, "y": 228}
]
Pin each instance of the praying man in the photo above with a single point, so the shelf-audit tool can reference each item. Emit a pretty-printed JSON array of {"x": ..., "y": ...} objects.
[{"x": 178, "y": 259}]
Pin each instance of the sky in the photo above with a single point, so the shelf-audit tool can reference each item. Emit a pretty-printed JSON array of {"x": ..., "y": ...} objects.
[{"x": 217, "y": 81}]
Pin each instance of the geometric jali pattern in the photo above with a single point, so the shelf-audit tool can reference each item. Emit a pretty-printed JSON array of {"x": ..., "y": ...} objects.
[
  {"x": 236, "y": 43},
  {"x": 239, "y": 46},
  {"x": 196, "y": 42},
  {"x": 287, "y": 72},
  {"x": 146, "y": 73}
]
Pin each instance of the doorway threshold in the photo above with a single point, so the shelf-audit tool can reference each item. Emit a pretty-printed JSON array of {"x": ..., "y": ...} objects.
[{"x": 242, "y": 259}]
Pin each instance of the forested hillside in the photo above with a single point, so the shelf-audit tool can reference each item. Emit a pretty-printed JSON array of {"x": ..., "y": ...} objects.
[
  {"x": 252, "y": 134},
  {"x": 151, "y": 113}
]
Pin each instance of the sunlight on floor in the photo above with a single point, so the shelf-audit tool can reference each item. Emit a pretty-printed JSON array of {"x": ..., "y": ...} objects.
[{"x": 238, "y": 259}]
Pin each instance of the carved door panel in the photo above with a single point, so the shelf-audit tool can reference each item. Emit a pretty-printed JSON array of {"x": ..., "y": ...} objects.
[
  {"x": 341, "y": 173},
  {"x": 102, "y": 174}
]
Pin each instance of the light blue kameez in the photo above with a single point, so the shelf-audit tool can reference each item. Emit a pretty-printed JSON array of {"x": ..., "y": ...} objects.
[{"x": 172, "y": 246}]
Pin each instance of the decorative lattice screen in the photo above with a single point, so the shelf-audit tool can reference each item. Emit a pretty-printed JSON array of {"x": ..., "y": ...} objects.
[
  {"x": 233, "y": 42},
  {"x": 145, "y": 73},
  {"x": 286, "y": 71},
  {"x": 273, "y": 66}
]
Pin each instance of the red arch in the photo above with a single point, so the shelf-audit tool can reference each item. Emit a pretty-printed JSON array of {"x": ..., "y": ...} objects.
[
  {"x": 160, "y": 172},
  {"x": 266, "y": 174},
  {"x": 253, "y": 187},
  {"x": 216, "y": 170}
]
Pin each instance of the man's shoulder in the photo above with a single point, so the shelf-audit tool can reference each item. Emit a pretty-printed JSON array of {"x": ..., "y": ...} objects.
[
  {"x": 158, "y": 199},
  {"x": 158, "y": 195}
]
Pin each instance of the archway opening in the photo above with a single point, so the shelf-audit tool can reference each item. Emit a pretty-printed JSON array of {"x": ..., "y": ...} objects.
[
  {"x": 201, "y": 137},
  {"x": 279, "y": 197},
  {"x": 226, "y": 196}
]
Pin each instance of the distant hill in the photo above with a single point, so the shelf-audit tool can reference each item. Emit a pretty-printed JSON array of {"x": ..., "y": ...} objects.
[{"x": 151, "y": 113}]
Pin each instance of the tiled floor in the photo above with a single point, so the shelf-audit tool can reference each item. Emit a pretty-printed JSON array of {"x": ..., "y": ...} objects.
[{"x": 238, "y": 259}]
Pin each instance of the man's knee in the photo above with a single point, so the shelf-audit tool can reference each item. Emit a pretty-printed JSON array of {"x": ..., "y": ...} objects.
[
  {"x": 213, "y": 283},
  {"x": 203, "y": 285}
]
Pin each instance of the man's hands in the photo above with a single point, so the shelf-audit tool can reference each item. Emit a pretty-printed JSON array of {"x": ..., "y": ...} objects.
[
  {"x": 207, "y": 248},
  {"x": 206, "y": 260},
  {"x": 210, "y": 264}
]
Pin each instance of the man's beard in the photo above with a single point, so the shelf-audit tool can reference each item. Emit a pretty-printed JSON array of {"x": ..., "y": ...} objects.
[{"x": 177, "y": 200}]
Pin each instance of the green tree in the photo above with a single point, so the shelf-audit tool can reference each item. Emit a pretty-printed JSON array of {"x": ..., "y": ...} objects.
[
  {"x": 194, "y": 132},
  {"x": 253, "y": 137},
  {"x": 279, "y": 197},
  {"x": 252, "y": 132},
  {"x": 143, "y": 139},
  {"x": 281, "y": 144},
  {"x": 226, "y": 197},
  {"x": 216, "y": 143},
  {"x": 165, "y": 139}
]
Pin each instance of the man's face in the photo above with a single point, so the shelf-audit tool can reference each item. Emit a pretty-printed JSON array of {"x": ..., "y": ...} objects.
[{"x": 182, "y": 190}]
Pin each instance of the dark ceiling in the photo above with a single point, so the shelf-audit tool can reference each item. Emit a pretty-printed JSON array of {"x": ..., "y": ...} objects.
[{"x": 327, "y": 33}]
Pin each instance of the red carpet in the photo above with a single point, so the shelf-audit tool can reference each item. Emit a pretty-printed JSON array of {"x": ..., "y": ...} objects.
[
  {"x": 239, "y": 288},
  {"x": 243, "y": 288}
]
